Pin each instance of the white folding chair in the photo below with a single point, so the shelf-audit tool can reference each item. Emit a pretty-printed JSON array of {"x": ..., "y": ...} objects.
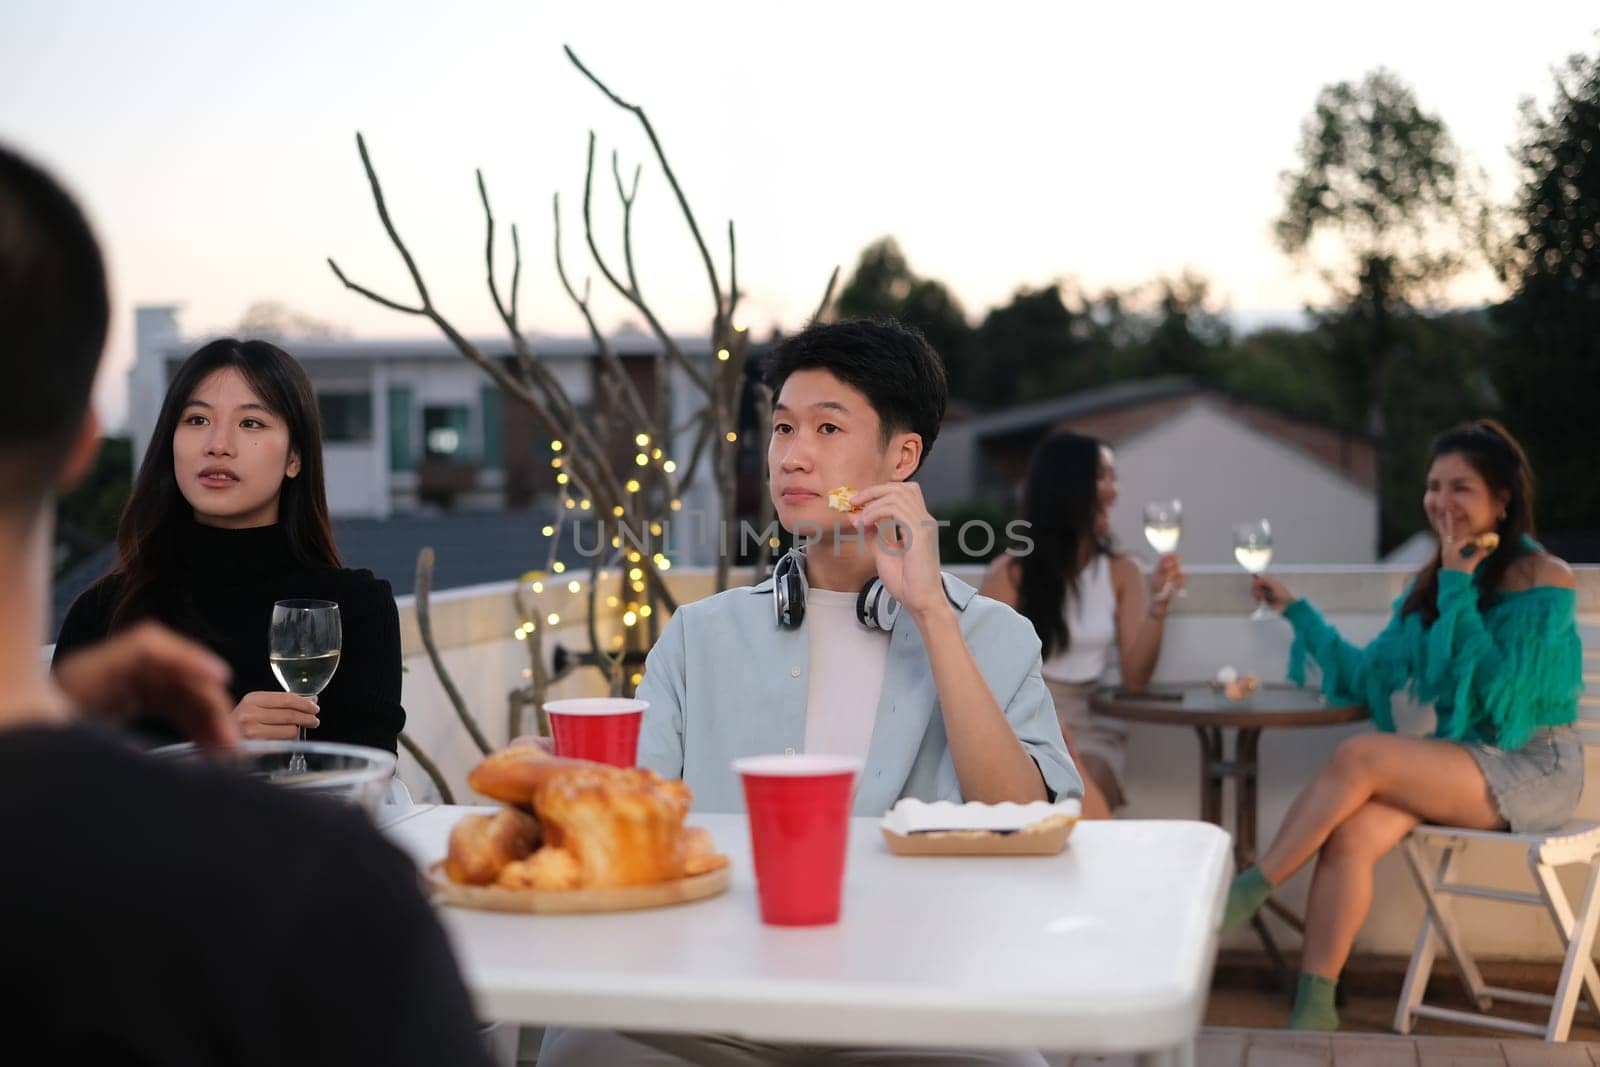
[{"x": 1432, "y": 852}]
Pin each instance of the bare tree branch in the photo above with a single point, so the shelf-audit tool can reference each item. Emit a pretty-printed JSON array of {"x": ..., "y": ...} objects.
[
  {"x": 388, "y": 224},
  {"x": 424, "y": 588},
  {"x": 608, "y": 356},
  {"x": 687, "y": 471},
  {"x": 629, "y": 292},
  {"x": 507, "y": 314},
  {"x": 516, "y": 269},
  {"x": 430, "y": 768},
  {"x": 532, "y": 369},
  {"x": 627, "y": 197},
  {"x": 764, "y": 515},
  {"x": 372, "y": 296},
  {"x": 733, "y": 274},
  {"x": 666, "y": 168}
]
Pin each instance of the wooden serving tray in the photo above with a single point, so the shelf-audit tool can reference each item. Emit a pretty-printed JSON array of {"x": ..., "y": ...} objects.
[{"x": 577, "y": 901}]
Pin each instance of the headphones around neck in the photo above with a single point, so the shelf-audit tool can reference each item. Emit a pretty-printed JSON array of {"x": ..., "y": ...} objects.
[{"x": 876, "y": 608}]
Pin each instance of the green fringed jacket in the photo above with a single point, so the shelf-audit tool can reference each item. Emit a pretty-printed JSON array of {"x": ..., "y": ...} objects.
[{"x": 1492, "y": 676}]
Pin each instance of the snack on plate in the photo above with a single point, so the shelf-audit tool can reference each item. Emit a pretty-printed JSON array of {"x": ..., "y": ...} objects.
[
  {"x": 482, "y": 845},
  {"x": 1235, "y": 686},
  {"x": 840, "y": 499},
  {"x": 571, "y": 824}
]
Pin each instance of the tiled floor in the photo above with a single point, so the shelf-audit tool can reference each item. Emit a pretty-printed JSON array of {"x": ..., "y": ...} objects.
[
  {"x": 1243, "y": 996},
  {"x": 1258, "y": 1048}
]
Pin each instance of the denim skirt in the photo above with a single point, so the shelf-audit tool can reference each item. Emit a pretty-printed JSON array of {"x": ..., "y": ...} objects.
[{"x": 1536, "y": 787}]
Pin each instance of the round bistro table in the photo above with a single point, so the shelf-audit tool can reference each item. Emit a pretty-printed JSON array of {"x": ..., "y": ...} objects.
[{"x": 1198, "y": 705}]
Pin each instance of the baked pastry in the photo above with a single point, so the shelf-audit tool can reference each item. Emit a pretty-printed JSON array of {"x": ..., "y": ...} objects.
[
  {"x": 572, "y": 824},
  {"x": 623, "y": 827},
  {"x": 547, "y": 869},
  {"x": 481, "y": 845},
  {"x": 700, "y": 852},
  {"x": 513, "y": 775},
  {"x": 841, "y": 499}
]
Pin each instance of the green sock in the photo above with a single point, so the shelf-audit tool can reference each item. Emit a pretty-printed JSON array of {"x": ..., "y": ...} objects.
[
  {"x": 1313, "y": 1004},
  {"x": 1250, "y": 890}
]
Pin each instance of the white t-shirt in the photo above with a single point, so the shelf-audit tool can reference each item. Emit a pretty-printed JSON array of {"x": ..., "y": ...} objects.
[{"x": 847, "y": 666}]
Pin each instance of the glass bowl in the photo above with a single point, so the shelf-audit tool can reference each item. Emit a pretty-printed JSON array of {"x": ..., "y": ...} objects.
[{"x": 351, "y": 773}]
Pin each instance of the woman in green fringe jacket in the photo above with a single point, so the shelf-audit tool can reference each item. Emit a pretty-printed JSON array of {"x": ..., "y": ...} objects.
[{"x": 1487, "y": 634}]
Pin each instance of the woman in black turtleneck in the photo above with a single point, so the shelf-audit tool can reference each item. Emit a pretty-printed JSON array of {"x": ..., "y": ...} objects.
[{"x": 229, "y": 515}]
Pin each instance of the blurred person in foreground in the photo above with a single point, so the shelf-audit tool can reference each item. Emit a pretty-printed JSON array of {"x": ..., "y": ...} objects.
[{"x": 157, "y": 913}]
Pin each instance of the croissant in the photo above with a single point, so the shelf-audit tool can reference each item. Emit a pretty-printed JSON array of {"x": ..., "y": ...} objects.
[
  {"x": 571, "y": 824},
  {"x": 513, "y": 775},
  {"x": 481, "y": 845},
  {"x": 548, "y": 869},
  {"x": 623, "y": 827}
]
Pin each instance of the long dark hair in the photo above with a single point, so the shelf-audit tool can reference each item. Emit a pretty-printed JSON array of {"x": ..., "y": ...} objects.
[
  {"x": 1059, "y": 501},
  {"x": 147, "y": 535},
  {"x": 1489, "y": 449}
]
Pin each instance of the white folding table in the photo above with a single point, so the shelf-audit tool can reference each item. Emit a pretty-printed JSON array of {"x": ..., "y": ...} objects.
[{"x": 1107, "y": 947}]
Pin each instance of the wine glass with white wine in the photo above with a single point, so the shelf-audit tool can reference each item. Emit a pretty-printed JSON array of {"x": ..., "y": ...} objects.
[
  {"x": 303, "y": 649},
  {"x": 1252, "y": 547},
  {"x": 1163, "y": 526}
]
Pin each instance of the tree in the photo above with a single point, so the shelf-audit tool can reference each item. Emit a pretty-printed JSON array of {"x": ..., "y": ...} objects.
[
  {"x": 1383, "y": 182},
  {"x": 884, "y": 285},
  {"x": 612, "y": 459},
  {"x": 1180, "y": 334},
  {"x": 87, "y": 515},
  {"x": 1549, "y": 373},
  {"x": 1032, "y": 348},
  {"x": 275, "y": 320}
]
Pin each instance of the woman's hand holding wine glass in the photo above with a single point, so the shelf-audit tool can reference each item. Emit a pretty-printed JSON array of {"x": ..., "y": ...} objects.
[
  {"x": 1252, "y": 547},
  {"x": 1271, "y": 592},
  {"x": 303, "y": 648},
  {"x": 1163, "y": 527},
  {"x": 264, "y": 716}
]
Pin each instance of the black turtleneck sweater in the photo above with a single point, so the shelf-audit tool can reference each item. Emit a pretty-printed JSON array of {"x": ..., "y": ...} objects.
[{"x": 222, "y": 595}]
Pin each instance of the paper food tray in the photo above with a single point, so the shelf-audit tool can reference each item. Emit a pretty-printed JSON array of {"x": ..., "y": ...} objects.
[{"x": 915, "y": 828}]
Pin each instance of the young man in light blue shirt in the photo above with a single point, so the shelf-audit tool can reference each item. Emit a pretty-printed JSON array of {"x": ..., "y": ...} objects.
[
  {"x": 944, "y": 702},
  {"x": 942, "y": 699}
]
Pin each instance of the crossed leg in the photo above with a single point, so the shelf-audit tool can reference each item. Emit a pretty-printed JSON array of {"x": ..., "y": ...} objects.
[{"x": 1358, "y": 807}]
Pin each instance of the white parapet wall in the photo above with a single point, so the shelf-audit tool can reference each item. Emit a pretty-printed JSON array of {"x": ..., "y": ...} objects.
[{"x": 1207, "y": 630}]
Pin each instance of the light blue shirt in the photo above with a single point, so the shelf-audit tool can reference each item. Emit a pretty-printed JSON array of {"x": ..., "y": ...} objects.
[{"x": 724, "y": 680}]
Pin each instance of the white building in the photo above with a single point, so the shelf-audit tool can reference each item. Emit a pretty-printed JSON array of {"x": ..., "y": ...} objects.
[
  {"x": 1229, "y": 462},
  {"x": 412, "y": 425}
]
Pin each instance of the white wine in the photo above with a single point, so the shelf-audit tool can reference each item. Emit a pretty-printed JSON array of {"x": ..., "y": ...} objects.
[
  {"x": 1163, "y": 537},
  {"x": 1254, "y": 560},
  {"x": 305, "y": 675}
]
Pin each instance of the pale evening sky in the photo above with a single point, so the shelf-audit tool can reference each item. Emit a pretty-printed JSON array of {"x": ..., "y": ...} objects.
[{"x": 1003, "y": 143}]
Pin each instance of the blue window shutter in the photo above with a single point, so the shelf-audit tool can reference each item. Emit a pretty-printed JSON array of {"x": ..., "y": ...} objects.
[
  {"x": 493, "y": 435},
  {"x": 401, "y": 456}
]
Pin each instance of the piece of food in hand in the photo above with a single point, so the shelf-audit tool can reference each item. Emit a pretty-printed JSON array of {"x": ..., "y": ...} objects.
[
  {"x": 1485, "y": 542},
  {"x": 482, "y": 845},
  {"x": 842, "y": 499},
  {"x": 1227, "y": 676}
]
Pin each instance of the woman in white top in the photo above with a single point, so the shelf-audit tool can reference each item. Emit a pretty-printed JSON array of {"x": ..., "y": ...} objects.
[{"x": 1085, "y": 601}]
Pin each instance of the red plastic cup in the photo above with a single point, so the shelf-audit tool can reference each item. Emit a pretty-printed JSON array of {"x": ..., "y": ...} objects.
[
  {"x": 799, "y": 810},
  {"x": 602, "y": 729}
]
